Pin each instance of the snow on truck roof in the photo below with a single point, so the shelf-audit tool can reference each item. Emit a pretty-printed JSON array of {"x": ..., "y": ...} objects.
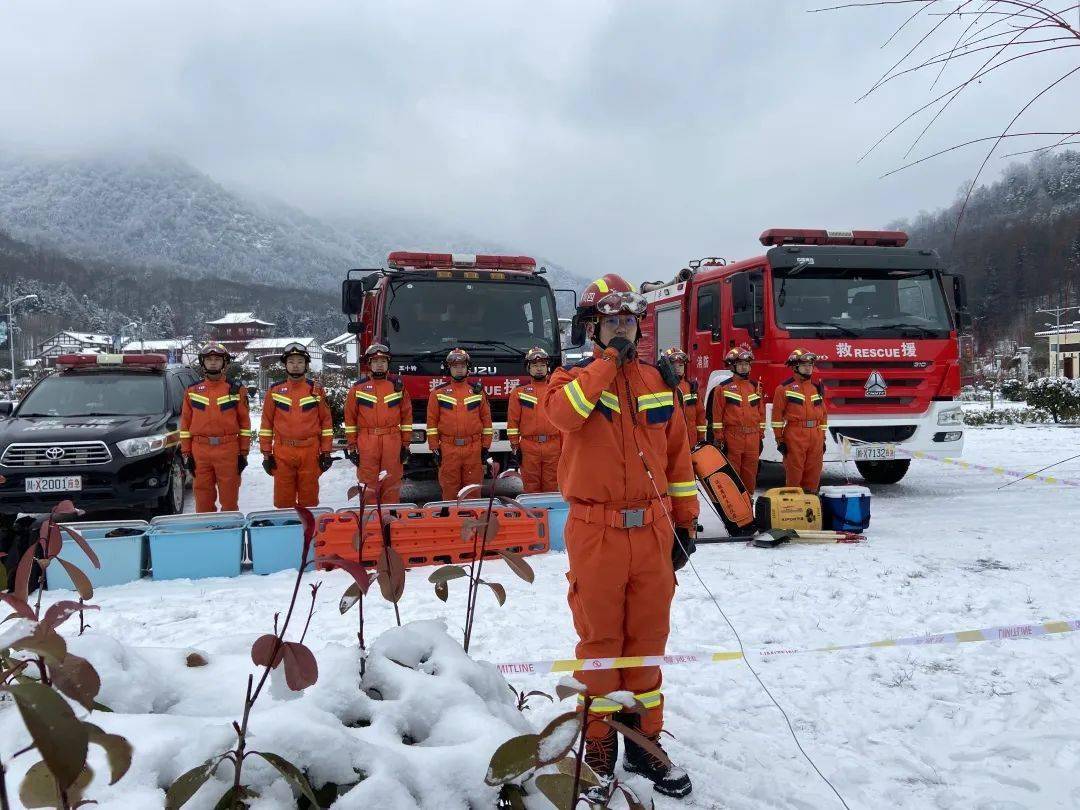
[{"x": 232, "y": 318}]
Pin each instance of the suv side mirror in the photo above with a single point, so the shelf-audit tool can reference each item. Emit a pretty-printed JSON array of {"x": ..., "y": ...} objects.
[
  {"x": 6, "y": 407},
  {"x": 355, "y": 327}
]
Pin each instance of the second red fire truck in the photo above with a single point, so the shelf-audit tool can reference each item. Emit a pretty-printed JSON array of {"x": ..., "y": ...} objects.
[{"x": 883, "y": 318}]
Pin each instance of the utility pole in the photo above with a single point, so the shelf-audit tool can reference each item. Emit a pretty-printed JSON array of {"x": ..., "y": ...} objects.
[
  {"x": 11, "y": 331},
  {"x": 1057, "y": 312}
]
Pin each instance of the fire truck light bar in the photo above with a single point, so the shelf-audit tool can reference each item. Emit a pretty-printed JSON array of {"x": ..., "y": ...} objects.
[
  {"x": 402, "y": 259},
  {"x": 145, "y": 360},
  {"x": 806, "y": 236}
]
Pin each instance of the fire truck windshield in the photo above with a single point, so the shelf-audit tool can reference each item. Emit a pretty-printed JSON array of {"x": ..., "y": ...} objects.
[
  {"x": 861, "y": 303},
  {"x": 489, "y": 318}
]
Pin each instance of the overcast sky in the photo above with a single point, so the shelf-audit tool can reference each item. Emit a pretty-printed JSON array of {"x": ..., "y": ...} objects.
[{"x": 617, "y": 136}]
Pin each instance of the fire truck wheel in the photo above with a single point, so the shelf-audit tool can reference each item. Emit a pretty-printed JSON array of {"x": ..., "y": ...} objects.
[{"x": 883, "y": 472}]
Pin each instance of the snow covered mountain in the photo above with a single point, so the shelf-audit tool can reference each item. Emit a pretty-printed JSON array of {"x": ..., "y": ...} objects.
[{"x": 159, "y": 211}]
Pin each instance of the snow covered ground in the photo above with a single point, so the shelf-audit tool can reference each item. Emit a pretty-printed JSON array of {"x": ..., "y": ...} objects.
[{"x": 993, "y": 726}]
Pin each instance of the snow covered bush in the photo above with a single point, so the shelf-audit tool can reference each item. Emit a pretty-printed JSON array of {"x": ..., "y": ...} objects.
[
  {"x": 1007, "y": 416},
  {"x": 1013, "y": 390},
  {"x": 1057, "y": 395}
]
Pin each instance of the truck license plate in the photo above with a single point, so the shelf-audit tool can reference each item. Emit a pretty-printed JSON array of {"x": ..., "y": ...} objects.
[
  {"x": 874, "y": 452},
  {"x": 59, "y": 483}
]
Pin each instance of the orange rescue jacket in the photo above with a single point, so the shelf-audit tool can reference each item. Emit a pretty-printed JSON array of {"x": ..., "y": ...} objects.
[
  {"x": 526, "y": 416},
  {"x": 693, "y": 412},
  {"x": 378, "y": 407},
  {"x": 296, "y": 411},
  {"x": 607, "y": 414},
  {"x": 215, "y": 409},
  {"x": 458, "y": 410},
  {"x": 738, "y": 406},
  {"x": 798, "y": 405}
]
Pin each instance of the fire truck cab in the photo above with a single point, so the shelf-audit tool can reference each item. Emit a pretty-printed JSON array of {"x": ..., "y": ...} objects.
[
  {"x": 884, "y": 320},
  {"x": 422, "y": 305}
]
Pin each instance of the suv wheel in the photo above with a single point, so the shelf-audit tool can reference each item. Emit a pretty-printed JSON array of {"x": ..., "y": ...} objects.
[{"x": 172, "y": 502}]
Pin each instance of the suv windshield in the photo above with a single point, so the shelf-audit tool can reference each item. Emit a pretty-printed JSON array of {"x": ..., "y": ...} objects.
[
  {"x": 864, "y": 303},
  {"x": 97, "y": 394},
  {"x": 492, "y": 318}
]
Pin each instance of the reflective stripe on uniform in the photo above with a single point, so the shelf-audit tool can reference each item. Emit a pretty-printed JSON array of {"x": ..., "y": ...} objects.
[
  {"x": 577, "y": 399},
  {"x": 528, "y": 398},
  {"x": 265, "y": 432},
  {"x": 717, "y": 425},
  {"x": 367, "y": 397},
  {"x": 487, "y": 431},
  {"x": 185, "y": 434},
  {"x": 603, "y": 705},
  {"x": 449, "y": 400},
  {"x": 408, "y": 427},
  {"x": 733, "y": 396},
  {"x": 647, "y": 401},
  {"x": 281, "y": 399},
  {"x": 393, "y": 398},
  {"x": 351, "y": 429},
  {"x": 198, "y": 398},
  {"x": 327, "y": 432},
  {"x": 682, "y": 489},
  {"x": 610, "y": 401},
  {"x": 512, "y": 432}
]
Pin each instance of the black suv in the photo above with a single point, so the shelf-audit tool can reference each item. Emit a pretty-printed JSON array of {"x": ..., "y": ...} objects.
[{"x": 102, "y": 434}]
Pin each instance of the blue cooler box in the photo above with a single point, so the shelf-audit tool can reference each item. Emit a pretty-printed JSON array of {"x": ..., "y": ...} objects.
[
  {"x": 276, "y": 538},
  {"x": 845, "y": 509},
  {"x": 558, "y": 512}
]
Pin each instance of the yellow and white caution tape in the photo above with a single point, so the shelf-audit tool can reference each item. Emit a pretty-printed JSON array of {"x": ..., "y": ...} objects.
[
  {"x": 999, "y": 633},
  {"x": 963, "y": 465}
]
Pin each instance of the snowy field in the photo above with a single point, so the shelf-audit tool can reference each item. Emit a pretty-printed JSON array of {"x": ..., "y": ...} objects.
[{"x": 992, "y": 726}]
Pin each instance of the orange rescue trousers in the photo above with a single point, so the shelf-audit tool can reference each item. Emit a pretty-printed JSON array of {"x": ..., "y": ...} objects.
[
  {"x": 803, "y": 461},
  {"x": 621, "y": 587},
  {"x": 217, "y": 476},
  {"x": 460, "y": 465},
  {"x": 380, "y": 449},
  {"x": 540, "y": 463},
  {"x": 296, "y": 478},
  {"x": 742, "y": 448}
]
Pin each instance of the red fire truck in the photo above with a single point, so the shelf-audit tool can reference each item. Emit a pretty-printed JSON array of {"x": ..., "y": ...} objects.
[
  {"x": 884, "y": 319},
  {"x": 424, "y": 304}
]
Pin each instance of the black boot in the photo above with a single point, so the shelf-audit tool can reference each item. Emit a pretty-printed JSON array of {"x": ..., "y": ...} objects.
[
  {"x": 667, "y": 779},
  {"x": 601, "y": 754}
]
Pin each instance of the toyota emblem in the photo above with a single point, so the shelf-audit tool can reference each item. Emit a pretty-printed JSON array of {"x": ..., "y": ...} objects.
[{"x": 54, "y": 453}]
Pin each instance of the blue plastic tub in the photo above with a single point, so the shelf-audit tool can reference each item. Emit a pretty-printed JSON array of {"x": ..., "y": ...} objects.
[
  {"x": 197, "y": 546},
  {"x": 845, "y": 508},
  {"x": 121, "y": 557},
  {"x": 558, "y": 512},
  {"x": 277, "y": 542}
]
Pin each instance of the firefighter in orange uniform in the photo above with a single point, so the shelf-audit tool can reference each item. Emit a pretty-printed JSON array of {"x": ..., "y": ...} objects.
[
  {"x": 535, "y": 441},
  {"x": 693, "y": 407},
  {"x": 626, "y": 472},
  {"x": 215, "y": 432},
  {"x": 738, "y": 417},
  {"x": 801, "y": 423},
  {"x": 459, "y": 427},
  {"x": 296, "y": 434},
  {"x": 378, "y": 426}
]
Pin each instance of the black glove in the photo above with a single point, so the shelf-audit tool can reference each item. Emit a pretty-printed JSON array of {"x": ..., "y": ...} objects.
[
  {"x": 403, "y": 456},
  {"x": 624, "y": 347},
  {"x": 353, "y": 455},
  {"x": 326, "y": 461},
  {"x": 437, "y": 455},
  {"x": 723, "y": 448},
  {"x": 485, "y": 457},
  {"x": 684, "y": 546},
  {"x": 761, "y": 446},
  {"x": 782, "y": 447},
  {"x": 241, "y": 463},
  {"x": 189, "y": 462},
  {"x": 269, "y": 464},
  {"x": 515, "y": 457}
]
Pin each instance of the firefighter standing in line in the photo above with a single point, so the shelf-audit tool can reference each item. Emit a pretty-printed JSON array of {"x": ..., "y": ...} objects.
[
  {"x": 296, "y": 434},
  {"x": 535, "y": 441},
  {"x": 378, "y": 426},
  {"x": 215, "y": 432},
  {"x": 459, "y": 427},
  {"x": 801, "y": 423},
  {"x": 693, "y": 407},
  {"x": 738, "y": 417},
  {"x": 626, "y": 472}
]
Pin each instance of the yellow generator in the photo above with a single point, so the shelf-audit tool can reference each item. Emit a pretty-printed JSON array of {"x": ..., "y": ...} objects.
[{"x": 787, "y": 508}]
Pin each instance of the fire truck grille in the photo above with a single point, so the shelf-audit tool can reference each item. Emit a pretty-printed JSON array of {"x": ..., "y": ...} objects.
[
  {"x": 875, "y": 433},
  {"x": 56, "y": 454},
  {"x": 871, "y": 400}
]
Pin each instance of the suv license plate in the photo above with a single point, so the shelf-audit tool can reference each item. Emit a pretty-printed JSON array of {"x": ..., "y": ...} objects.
[
  {"x": 874, "y": 452},
  {"x": 59, "y": 483}
]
